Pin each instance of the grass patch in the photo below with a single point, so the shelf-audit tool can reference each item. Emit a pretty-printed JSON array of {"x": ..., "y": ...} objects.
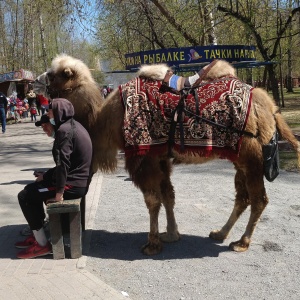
[
  {"x": 291, "y": 110},
  {"x": 292, "y": 96},
  {"x": 288, "y": 161},
  {"x": 291, "y": 114}
]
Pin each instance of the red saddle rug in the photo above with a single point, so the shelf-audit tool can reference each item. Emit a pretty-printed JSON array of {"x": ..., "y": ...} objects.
[{"x": 148, "y": 116}]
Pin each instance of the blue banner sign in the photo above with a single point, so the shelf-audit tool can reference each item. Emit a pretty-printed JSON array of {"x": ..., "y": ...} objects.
[{"x": 190, "y": 55}]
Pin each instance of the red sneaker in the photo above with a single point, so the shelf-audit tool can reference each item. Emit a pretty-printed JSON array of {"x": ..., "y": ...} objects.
[
  {"x": 26, "y": 243},
  {"x": 35, "y": 250}
]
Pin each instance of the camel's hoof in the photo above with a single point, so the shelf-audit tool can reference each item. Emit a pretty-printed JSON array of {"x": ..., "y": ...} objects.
[
  {"x": 169, "y": 237},
  {"x": 239, "y": 246},
  {"x": 217, "y": 235},
  {"x": 152, "y": 249}
]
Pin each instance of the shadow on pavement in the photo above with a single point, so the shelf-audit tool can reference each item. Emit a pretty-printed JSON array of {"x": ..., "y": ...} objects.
[
  {"x": 126, "y": 246},
  {"x": 35, "y": 169},
  {"x": 9, "y": 235},
  {"x": 23, "y": 182}
]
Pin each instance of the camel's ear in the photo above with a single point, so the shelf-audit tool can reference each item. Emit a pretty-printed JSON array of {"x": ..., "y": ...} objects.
[{"x": 68, "y": 72}]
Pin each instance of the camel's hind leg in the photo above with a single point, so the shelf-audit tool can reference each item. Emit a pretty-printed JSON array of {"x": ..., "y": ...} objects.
[
  {"x": 150, "y": 175},
  {"x": 241, "y": 203},
  {"x": 250, "y": 190},
  {"x": 258, "y": 200}
]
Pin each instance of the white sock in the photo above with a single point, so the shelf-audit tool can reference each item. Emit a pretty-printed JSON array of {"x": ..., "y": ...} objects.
[{"x": 40, "y": 237}]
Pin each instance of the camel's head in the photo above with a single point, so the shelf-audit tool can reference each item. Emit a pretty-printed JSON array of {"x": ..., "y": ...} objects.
[{"x": 65, "y": 75}]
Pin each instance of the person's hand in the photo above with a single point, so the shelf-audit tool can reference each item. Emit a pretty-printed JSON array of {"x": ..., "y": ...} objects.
[
  {"x": 59, "y": 197},
  {"x": 52, "y": 200}
]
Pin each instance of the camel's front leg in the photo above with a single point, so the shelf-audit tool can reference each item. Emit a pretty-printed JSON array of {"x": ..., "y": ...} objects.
[
  {"x": 154, "y": 245},
  {"x": 167, "y": 190}
]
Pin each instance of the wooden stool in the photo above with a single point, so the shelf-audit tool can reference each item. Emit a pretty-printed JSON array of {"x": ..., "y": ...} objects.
[{"x": 54, "y": 210}]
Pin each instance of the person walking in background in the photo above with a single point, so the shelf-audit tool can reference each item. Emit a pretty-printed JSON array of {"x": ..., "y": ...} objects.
[
  {"x": 3, "y": 111},
  {"x": 72, "y": 154},
  {"x": 44, "y": 104}
]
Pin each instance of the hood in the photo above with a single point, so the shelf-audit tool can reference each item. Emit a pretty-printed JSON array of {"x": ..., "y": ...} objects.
[{"x": 63, "y": 110}]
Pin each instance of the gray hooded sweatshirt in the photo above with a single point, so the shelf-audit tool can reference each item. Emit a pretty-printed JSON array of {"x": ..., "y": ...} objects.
[{"x": 72, "y": 148}]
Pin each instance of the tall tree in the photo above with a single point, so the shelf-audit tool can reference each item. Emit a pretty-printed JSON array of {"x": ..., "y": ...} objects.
[
  {"x": 33, "y": 32},
  {"x": 269, "y": 53}
]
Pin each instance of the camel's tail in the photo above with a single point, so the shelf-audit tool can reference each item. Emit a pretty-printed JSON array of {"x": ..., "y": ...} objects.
[{"x": 287, "y": 134}]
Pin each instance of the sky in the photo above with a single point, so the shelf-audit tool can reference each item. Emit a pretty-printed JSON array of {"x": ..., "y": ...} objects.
[{"x": 85, "y": 18}]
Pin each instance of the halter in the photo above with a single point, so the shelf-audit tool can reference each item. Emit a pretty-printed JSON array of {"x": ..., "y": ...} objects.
[{"x": 59, "y": 93}]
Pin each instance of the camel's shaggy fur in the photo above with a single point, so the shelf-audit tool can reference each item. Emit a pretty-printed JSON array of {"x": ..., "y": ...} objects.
[
  {"x": 155, "y": 72},
  {"x": 104, "y": 120},
  {"x": 70, "y": 78}
]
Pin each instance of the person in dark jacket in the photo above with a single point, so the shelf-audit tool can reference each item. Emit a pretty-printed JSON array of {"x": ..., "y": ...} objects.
[
  {"x": 72, "y": 154},
  {"x": 3, "y": 111}
]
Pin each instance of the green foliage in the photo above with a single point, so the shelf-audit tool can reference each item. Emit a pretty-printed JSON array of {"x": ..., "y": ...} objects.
[{"x": 34, "y": 32}]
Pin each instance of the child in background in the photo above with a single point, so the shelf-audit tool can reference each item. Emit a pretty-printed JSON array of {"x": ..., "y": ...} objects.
[
  {"x": 26, "y": 108},
  {"x": 33, "y": 112}
]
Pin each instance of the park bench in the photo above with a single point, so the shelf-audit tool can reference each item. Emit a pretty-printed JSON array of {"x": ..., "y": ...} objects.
[{"x": 76, "y": 216}]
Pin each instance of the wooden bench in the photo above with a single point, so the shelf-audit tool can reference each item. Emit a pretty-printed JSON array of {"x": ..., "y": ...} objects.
[{"x": 73, "y": 209}]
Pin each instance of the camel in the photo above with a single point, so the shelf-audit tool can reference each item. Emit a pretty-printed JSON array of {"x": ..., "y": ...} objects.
[
  {"x": 149, "y": 160},
  {"x": 65, "y": 65}
]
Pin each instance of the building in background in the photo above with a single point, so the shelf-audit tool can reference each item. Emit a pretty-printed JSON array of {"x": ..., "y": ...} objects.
[{"x": 16, "y": 81}]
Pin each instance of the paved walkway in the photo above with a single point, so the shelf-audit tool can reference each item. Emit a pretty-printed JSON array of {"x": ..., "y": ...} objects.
[{"x": 23, "y": 149}]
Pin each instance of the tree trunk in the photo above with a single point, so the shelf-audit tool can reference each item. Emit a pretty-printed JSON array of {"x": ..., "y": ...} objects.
[
  {"x": 4, "y": 44},
  {"x": 274, "y": 83},
  {"x": 212, "y": 40},
  {"x": 289, "y": 83},
  {"x": 44, "y": 53}
]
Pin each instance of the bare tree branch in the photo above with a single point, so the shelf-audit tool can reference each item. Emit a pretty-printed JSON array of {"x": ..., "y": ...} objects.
[{"x": 173, "y": 22}]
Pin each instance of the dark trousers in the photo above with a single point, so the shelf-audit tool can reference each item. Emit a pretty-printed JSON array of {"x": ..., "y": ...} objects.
[
  {"x": 3, "y": 118},
  {"x": 35, "y": 194}
]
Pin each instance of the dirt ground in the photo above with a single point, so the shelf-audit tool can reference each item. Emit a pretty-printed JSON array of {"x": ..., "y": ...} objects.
[{"x": 197, "y": 267}]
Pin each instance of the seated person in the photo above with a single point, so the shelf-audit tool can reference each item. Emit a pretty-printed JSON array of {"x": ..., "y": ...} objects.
[
  {"x": 72, "y": 154},
  {"x": 49, "y": 130}
]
